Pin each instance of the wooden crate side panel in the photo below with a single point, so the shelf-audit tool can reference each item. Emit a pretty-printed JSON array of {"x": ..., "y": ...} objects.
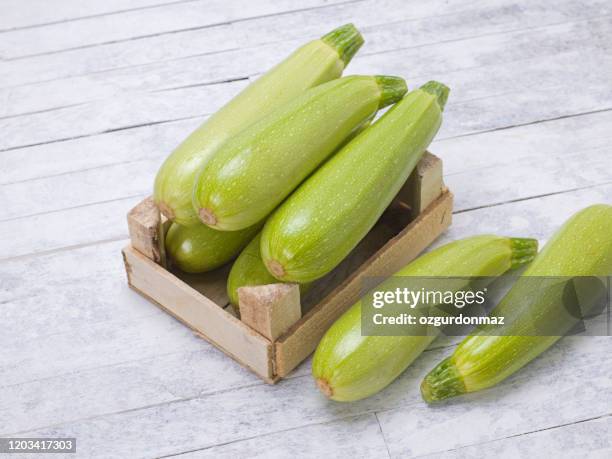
[
  {"x": 303, "y": 337},
  {"x": 195, "y": 310}
]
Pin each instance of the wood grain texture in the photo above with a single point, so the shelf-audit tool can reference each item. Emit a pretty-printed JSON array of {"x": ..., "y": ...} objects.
[
  {"x": 264, "y": 46},
  {"x": 445, "y": 59},
  {"x": 270, "y": 309},
  {"x": 105, "y": 89},
  {"x": 132, "y": 23},
  {"x": 146, "y": 230}
]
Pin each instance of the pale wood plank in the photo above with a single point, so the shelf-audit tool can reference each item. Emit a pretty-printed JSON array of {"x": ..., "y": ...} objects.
[
  {"x": 131, "y": 24},
  {"x": 98, "y": 223},
  {"x": 531, "y": 177},
  {"x": 129, "y": 145},
  {"x": 592, "y": 438},
  {"x": 247, "y": 62},
  {"x": 352, "y": 437},
  {"x": 498, "y": 85},
  {"x": 111, "y": 114},
  {"x": 151, "y": 142},
  {"x": 161, "y": 377},
  {"x": 418, "y": 26},
  {"x": 32, "y": 13},
  {"x": 211, "y": 420}
]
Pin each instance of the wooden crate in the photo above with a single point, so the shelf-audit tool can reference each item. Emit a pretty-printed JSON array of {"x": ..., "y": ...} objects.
[{"x": 276, "y": 331}]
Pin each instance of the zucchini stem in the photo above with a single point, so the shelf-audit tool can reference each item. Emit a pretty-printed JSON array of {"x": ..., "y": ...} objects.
[
  {"x": 443, "y": 382},
  {"x": 437, "y": 89},
  {"x": 392, "y": 89},
  {"x": 345, "y": 40}
]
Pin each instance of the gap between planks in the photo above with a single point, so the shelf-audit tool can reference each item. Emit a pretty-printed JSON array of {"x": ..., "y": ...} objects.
[
  {"x": 518, "y": 435},
  {"x": 186, "y": 29},
  {"x": 382, "y": 434},
  {"x": 95, "y": 15},
  {"x": 154, "y": 123},
  {"x": 528, "y": 198},
  {"x": 373, "y": 411},
  {"x": 203, "y": 115},
  {"x": 266, "y": 44},
  {"x": 252, "y": 437},
  {"x": 104, "y": 129}
]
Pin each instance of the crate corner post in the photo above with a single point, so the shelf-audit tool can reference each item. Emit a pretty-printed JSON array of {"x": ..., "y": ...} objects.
[{"x": 270, "y": 309}]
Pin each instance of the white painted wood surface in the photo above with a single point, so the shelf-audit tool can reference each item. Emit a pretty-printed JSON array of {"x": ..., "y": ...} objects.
[{"x": 94, "y": 94}]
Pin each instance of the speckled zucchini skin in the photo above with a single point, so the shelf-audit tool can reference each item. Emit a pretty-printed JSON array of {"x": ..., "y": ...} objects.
[
  {"x": 582, "y": 247},
  {"x": 327, "y": 216},
  {"x": 198, "y": 248},
  {"x": 314, "y": 63},
  {"x": 249, "y": 270},
  {"x": 348, "y": 366},
  {"x": 252, "y": 173}
]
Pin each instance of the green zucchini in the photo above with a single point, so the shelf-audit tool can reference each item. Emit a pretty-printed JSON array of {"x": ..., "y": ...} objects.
[
  {"x": 198, "y": 248},
  {"x": 314, "y": 63},
  {"x": 325, "y": 218},
  {"x": 252, "y": 173},
  {"x": 348, "y": 366},
  {"x": 582, "y": 247},
  {"x": 249, "y": 270}
]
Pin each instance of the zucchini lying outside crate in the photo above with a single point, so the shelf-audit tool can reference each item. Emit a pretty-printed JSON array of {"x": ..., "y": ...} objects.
[{"x": 276, "y": 331}]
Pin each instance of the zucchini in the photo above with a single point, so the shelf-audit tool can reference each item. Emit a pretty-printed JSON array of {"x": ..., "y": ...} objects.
[
  {"x": 198, "y": 248},
  {"x": 348, "y": 366},
  {"x": 248, "y": 270},
  {"x": 252, "y": 173},
  {"x": 314, "y": 63},
  {"x": 582, "y": 247},
  {"x": 316, "y": 228}
]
